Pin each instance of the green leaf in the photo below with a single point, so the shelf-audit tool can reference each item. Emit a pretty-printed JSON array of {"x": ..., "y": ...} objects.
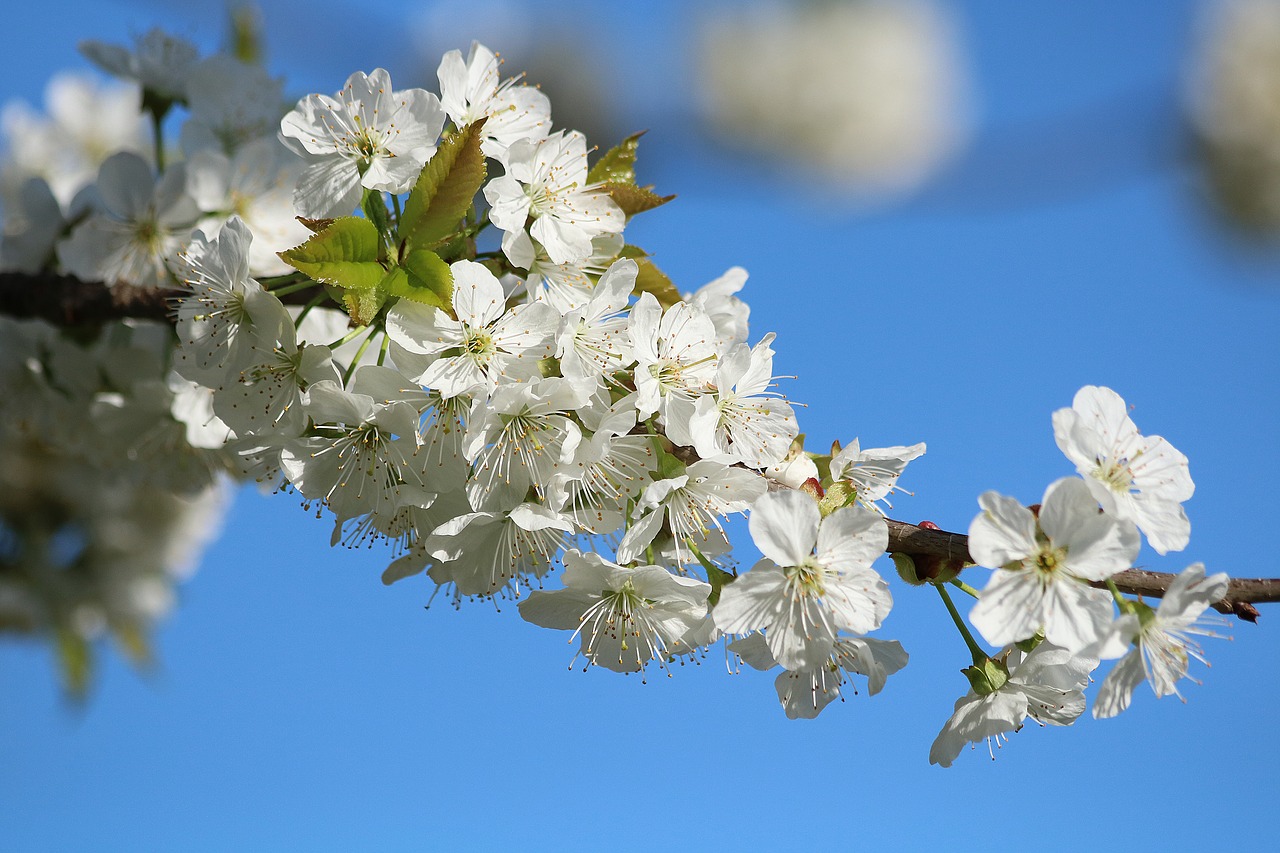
[
  {"x": 315, "y": 226},
  {"x": 650, "y": 279},
  {"x": 423, "y": 277},
  {"x": 618, "y": 164},
  {"x": 633, "y": 199},
  {"x": 445, "y": 190},
  {"x": 344, "y": 254},
  {"x": 77, "y": 661},
  {"x": 374, "y": 207},
  {"x": 133, "y": 640}
]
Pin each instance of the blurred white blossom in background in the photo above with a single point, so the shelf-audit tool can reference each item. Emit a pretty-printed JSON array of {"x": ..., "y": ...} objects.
[
  {"x": 869, "y": 95},
  {"x": 1234, "y": 109}
]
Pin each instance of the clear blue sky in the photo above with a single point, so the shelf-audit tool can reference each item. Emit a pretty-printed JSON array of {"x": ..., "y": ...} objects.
[{"x": 299, "y": 704}]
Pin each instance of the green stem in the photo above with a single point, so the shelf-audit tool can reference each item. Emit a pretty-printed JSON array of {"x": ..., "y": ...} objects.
[
  {"x": 395, "y": 203},
  {"x": 979, "y": 656},
  {"x": 1126, "y": 606},
  {"x": 157, "y": 120},
  {"x": 355, "y": 361},
  {"x": 382, "y": 350},
  {"x": 292, "y": 288},
  {"x": 964, "y": 587},
  {"x": 348, "y": 337},
  {"x": 271, "y": 281},
  {"x": 475, "y": 228},
  {"x": 701, "y": 558}
]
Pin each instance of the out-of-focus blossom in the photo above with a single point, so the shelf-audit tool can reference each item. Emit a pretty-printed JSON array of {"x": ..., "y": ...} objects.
[
  {"x": 1234, "y": 110},
  {"x": 870, "y": 95}
]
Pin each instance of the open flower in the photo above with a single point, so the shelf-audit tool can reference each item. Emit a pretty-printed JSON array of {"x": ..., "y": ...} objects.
[
  {"x": 367, "y": 137},
  {"x": 742, "y": 420},
  {"x": 1155, "y": 643},
  {"x": 875, "y": 471},
  {"x": 804, "y": 693},
  {"x": 546, "y": 180},
  {"x": 815, "y": 580},
  {"x": 139, "y": 226},
  {"x": 1136, "y": 478},
  {"x": 485, "y": 345},
  {"x": 473, "y": 89},
  {"x": 160, "y": 62},
  {"x": 1047, "y": 685},
  {"x": 1044, "y": 566},
  {"x": 624, "y": 617}
]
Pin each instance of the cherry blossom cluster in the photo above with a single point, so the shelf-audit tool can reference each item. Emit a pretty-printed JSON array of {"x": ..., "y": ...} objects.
[
  {"x": 419, "y": 314},
  {"x": 1051, "y": 602}
]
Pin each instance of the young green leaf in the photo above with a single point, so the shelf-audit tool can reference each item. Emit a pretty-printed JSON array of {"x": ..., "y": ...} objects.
[
  {"x": 618, "y": 164},
  {"x": 344, "y": 254},
  {"x": 445, "y": 190},
  {"x": 633, "y": 199},
  {"x": 424, "y": 278},
  {"x": 650, "y": 279}
]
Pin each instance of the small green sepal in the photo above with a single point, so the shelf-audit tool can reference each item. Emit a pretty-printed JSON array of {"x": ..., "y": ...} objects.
[
  {"x": 1028, "y": 645},
  {"x": 839, "y": 494},
  {"x": 906, "y": 567},
  {"x": 988, "y": 677}
]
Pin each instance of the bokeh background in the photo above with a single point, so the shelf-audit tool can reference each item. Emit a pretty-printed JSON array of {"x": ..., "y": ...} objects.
[{"x": 953, "y": 217}]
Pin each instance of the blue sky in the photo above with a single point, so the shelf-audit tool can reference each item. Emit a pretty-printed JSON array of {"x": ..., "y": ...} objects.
[{"x": 299, "y": 704}]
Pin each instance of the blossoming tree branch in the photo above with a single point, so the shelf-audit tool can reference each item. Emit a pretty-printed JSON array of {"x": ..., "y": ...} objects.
[{"x": 419, "y": 314}]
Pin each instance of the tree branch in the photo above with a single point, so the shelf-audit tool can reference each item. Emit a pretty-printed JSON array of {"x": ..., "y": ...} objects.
[
  {"x": 1242, "y": 593},
  {"x": 64, "y": 300}
]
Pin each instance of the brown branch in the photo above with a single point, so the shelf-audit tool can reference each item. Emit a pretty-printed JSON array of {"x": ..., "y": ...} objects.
[
  {"x": 64, "y": 300},
  {"x": 67, "y": 301},
  {"x": 1242, "y": 593}
]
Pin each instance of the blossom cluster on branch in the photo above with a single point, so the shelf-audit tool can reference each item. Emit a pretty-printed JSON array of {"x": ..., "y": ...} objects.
[{"x": 476, "y": 368}]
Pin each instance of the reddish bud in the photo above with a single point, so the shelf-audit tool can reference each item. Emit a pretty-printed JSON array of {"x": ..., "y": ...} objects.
[{"x": 813, "y": 487}]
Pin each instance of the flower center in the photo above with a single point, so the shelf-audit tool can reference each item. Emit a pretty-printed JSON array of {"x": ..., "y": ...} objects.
[
  {"x": 479, "y": 345},
  {"x": 1116, "y": 473},
  {"x": 806, "y": 579},
  {"x": 1049, "y": 560}
]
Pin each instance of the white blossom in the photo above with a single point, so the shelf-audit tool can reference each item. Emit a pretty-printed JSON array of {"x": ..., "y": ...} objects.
[
  {"x": 742, "y": 420},
  {"x": 691, "y": 505},
  {"x": 1135, "y": 478},
  {"x": 625, "y": 617},
  {"x": 367, "y": 137},
  {"x": 874, "y": 472},
  {"x": 815, "y": 579},
  {"x": 473, "y": 89},
  {"x": 547, "y": 181},
  {"x": 1047, "y": 685},
  {"x": 140, "y": 224},
  {"x": 492, "y": 345},
  {"x": 805, "y": 692},
  {"x": 1044, "y": 566},
  {"x": 160, "y": 62},
  {"x": 1158, "y": 644}
]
